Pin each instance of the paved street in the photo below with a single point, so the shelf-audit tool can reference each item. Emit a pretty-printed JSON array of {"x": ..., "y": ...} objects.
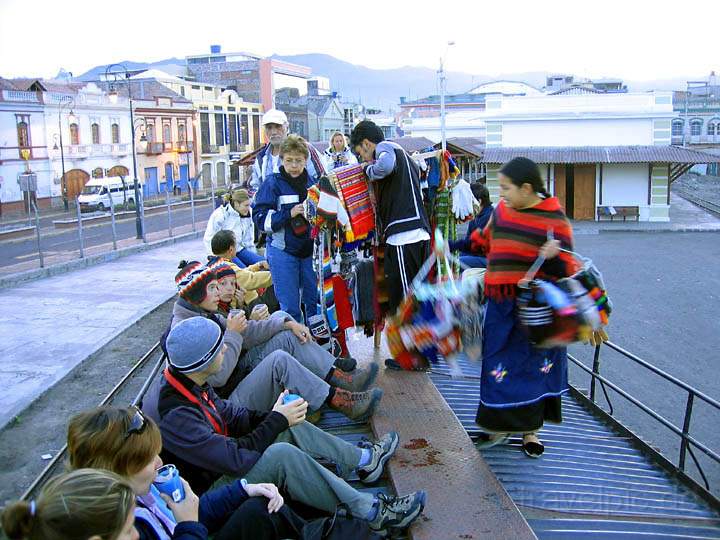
[
  {"x": 56, "y": 241},
  {"x": 666, "y": 289}
]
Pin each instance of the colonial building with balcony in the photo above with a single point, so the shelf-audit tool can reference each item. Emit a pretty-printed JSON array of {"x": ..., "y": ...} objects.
[
  {"x": 697, "y": 122},
  {"x": 54, "y": 123},
  {"x": 167, "y": 153},
  {"x": 225, "y": 126}
]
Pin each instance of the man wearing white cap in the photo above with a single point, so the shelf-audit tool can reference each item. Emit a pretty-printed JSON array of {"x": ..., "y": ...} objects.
[{"x": 268, "y": 160}]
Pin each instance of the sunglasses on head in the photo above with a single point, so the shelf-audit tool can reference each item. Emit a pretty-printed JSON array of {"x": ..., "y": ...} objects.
[{"x": 137, "y": 424}]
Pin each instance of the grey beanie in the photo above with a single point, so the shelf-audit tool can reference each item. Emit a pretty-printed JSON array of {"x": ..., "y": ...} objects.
[{"x": 193, "y": 343}]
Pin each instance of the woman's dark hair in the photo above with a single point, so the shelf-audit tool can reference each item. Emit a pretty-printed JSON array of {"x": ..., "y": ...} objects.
[
  {"x": 521, "y": 170},
  {"x": 222, "y": 241},
  {"x": 481, "y": 193},
  {"x": 366, "y": 130}
]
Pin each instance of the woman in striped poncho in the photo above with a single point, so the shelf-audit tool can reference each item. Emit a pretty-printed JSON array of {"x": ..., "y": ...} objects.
[{"x": 521, "y": 385}]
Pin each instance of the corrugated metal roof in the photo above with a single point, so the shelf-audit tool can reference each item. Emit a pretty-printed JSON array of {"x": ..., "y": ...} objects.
[
  {"x": 600, "y": 154},
  {"x": 603, "y": 486},
  {"x": 470, "y": 145},
  {"x": 413, "y": 144}
]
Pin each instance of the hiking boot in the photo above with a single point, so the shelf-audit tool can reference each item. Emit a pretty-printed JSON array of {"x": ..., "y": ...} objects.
[
  {"x": 382, "y": 450},
  {"x": 346, "y": 363},
  {"x": 355, "y": 381},
  {"x": 397, "y": 512},
  {"x": 356, "y": 405}
]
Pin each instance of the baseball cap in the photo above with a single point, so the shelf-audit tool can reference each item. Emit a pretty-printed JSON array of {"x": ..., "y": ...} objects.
[{"x": 273, "y": 116}]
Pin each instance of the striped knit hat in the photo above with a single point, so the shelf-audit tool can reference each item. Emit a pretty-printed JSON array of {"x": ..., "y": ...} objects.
[
  {"x": 222, "y": 269},
  {"x": 192, "y": 281},
  {"x": 193, "y": 343}
]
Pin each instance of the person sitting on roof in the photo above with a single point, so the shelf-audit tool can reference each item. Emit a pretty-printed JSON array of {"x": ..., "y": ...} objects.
[
  {"x": 277, "y": 353},
  {"x": 207, "y": 437},
  {"x": 126, "y": 442}
]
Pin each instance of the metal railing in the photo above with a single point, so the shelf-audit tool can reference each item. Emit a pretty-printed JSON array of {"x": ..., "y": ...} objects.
[{"x": 687, "y": 441}]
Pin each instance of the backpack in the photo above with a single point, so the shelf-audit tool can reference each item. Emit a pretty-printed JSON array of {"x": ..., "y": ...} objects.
[{"x": 341, "y": 526}]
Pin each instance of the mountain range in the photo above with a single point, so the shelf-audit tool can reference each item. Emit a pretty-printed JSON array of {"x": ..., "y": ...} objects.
[{"x": 383, "y": 88}]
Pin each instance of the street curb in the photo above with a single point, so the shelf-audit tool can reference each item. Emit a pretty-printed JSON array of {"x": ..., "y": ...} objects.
[
  {"x": 13, "y": 280},
  {"x": 655, "y": 231},
  {"x": 19, "y": 232}
]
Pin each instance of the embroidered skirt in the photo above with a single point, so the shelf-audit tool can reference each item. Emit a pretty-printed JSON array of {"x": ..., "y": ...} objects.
[{"x": 521, "y": 385}]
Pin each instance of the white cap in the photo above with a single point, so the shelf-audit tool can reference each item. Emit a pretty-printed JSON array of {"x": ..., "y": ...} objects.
[{"x": 273, "y": 116}]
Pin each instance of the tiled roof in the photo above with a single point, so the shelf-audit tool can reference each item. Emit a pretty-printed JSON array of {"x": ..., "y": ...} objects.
[
  {"x": 600, "y": 154},
  {"x": 147, "y": 89}
]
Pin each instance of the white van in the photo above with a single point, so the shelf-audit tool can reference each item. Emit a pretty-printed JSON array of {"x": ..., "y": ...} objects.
[{"x": 96, "y": 193}]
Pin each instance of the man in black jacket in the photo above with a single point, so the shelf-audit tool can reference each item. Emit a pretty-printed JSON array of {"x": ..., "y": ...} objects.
[
  {"x": 404, "y": 225},
  {"x": 207, "y": 437}
]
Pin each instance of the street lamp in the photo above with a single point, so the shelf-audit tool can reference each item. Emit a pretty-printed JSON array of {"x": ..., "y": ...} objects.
[
  {"x": 113, "y": 95},
  {"x": 443, "y": 78},
  {"x": 65, "y": 102}
]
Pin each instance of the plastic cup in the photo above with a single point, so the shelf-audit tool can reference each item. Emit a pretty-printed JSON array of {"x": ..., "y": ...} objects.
[
  {"x": 168, "y": 482},
  {"x": 290, "y": 398}
]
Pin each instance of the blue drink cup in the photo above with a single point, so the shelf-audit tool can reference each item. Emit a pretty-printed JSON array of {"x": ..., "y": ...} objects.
[
  {"x": 168, "y": 482},
  {"x": 290, "y": 397}
]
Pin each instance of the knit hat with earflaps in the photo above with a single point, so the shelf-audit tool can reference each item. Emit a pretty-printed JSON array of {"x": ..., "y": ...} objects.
[
  {"x": 193, "y": 344},
  {"x": 222, "y": 269},
  {"x": 193, "y": 279}
]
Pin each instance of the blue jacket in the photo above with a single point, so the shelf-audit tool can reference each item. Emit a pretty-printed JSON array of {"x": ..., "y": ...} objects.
[{"x": 271, "y": 213}]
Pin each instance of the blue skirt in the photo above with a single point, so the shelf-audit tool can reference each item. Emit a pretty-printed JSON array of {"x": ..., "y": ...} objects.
[{"x": 518, "y": 381}]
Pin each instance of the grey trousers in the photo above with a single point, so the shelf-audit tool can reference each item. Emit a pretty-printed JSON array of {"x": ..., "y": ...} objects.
[
  {"x": 311, "y": 355},
  {"x": 276, "y": 372},
  {"x": 289, "y": 464}
]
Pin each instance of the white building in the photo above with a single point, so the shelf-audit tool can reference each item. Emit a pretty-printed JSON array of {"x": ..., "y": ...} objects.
[
  {"x": 95, "y": 138},
  {"x": 599, "y": 153}
]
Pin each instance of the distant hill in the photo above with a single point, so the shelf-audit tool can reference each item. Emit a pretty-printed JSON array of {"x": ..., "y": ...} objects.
[{"x": 383, "y": 87}]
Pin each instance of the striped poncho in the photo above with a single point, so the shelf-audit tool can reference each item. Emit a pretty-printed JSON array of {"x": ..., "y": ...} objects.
[{"x": 511, "y": 242}]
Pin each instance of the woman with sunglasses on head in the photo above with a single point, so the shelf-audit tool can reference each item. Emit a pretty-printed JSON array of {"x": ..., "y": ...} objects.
[
  {"x": 128, "y": 443},
  {"x": 86, "y": 504}
]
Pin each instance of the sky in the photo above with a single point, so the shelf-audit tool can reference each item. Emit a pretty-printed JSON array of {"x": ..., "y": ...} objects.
[{"x": 630, "y": 39}]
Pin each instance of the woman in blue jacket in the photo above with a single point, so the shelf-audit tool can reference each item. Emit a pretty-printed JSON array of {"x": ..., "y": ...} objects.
[
  {"x": 128, "y": 443},
  {"x": 278, "y": 210}
]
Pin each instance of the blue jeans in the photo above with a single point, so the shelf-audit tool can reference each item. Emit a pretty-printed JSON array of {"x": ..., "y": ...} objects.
[
  {"x": 245, "y": 258},
  {"x": 473, "y": 261},
  {"x": 292, "y": 276}
]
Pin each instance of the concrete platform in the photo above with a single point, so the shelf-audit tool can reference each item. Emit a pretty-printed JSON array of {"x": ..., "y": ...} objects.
[
  {"x": 465, "y": 499},
  {"x": 50, "y": 326}
]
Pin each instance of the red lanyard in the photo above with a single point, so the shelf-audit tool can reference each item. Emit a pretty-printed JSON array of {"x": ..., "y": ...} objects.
[{"x": 190, "y": 396}]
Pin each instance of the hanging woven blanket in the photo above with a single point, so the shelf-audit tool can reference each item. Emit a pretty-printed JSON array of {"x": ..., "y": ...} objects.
[{"x": 351, "y": 185}]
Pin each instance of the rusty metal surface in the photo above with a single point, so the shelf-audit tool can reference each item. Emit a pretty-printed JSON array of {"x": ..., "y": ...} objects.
[{"x": 465, "y": 499}]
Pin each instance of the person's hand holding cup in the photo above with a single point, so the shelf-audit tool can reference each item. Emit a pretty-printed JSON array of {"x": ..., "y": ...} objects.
[
  {"x": 294, "y": 410},
  {"x": 236, "y": 321},
  {"x": 259, "y": 313}
]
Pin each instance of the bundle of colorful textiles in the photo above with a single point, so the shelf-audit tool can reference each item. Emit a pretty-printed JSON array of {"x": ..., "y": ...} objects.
[
  {"x": 351, "y": 186},
  {"x": 330, "y": 211}
]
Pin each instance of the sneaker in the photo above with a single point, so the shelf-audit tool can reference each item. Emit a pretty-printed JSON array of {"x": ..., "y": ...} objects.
[
  {"x": 397, "y": 512},
  {"x": 356, "y": 405},
  {"x": 346, "y": 364},
  {"x": 355, "y": 381},
  {"x": 382, "y": 451}
]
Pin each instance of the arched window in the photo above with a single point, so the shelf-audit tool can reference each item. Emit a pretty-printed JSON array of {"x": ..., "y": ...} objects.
[
  {"x": 181, "y": 133},
  {"x": 167, "y": 133},
  {"x": 150, "y": 133},
  {"x": 677, "y": 127},
  {"x": 713, "y": 127},
  {"x": 23, "y": 135},
  {"x": 74, "y": 134},
  {"x": 95, "y": 129},
  {"x": 696, "y": 127},
  {"x": 115, "y": 129}
]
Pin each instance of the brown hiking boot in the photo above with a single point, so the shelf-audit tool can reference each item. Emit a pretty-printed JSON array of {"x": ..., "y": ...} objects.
[
  {"x": 358, "y": 380},
  {"x": 356, "y": 405}
]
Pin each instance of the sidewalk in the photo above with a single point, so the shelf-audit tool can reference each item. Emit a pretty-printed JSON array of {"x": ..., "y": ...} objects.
[{"x": 48, "y": 327}]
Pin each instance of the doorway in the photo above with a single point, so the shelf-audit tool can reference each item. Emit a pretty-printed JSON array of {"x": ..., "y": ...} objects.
[{"x": 575, "y": 189}]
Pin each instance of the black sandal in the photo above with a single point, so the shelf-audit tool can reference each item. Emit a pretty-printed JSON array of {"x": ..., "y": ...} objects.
[{"x": 533, "y": 449}]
